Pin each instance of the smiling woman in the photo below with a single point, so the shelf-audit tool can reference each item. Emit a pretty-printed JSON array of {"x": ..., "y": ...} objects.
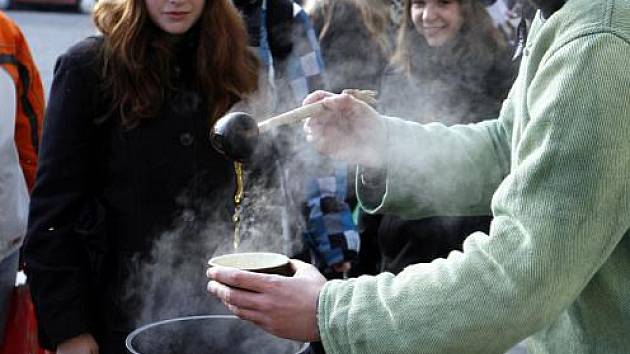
[
  {"x": 457, "y": 63},
  {"x": 451, "y": 66},
  {"x": 439, "y": 21}
]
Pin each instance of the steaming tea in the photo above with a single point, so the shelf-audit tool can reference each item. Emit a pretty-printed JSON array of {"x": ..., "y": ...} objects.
[
  {"x": 260, "y": 262},
  {"x": 238, "y": 198}
]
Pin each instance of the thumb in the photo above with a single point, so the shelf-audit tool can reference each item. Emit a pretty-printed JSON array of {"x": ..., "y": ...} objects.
[
  {"x": 304, "y": 270},
  {"x": 316, "y": 96},
  {"x": 341, "y": 103}
]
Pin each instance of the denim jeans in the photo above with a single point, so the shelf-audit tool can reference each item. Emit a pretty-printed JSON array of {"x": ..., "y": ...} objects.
[{"x": 8, "y": 270}]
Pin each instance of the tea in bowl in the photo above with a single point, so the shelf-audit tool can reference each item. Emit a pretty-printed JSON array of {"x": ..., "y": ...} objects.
[{"x": 259, "y": 262}]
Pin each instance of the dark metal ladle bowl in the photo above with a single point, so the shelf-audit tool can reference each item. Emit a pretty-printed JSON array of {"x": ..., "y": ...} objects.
[
  {"x": 235, "y": 135},
  {"x": 209, "y": 334}
]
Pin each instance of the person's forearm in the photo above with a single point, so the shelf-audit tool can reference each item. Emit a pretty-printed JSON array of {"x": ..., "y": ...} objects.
[
  {"x": 560, "y": 228},
  {"x": 437, "y": 170}
]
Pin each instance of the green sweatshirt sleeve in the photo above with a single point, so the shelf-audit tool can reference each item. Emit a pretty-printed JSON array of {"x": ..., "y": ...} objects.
[
  {"x": 421, "y": 168},
  {"x": 559, "y": 215}
]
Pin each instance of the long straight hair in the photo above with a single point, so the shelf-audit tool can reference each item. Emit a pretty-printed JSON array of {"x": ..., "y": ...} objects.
[
  {"x": 137, "y": 59},
  {"x": 475, "y": 47}
]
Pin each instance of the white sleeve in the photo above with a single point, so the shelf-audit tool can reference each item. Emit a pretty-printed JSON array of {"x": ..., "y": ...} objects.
[
  {"x": 13, "y": 191},
  {"x": 7, "y": 109}
]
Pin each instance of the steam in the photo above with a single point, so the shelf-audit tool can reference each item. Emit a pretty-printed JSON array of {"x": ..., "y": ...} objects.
[{"x": 171, "y": 282}]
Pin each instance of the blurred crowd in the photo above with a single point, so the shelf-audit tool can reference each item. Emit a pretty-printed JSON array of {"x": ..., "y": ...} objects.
[{"x": 130, "y": 194}]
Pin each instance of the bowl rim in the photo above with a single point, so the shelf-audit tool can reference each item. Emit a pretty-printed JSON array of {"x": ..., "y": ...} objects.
[{"x": 279, "y": 260}]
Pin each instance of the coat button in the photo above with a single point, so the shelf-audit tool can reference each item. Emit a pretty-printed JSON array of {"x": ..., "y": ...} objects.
[
  {"x": 186, "y": 139},
  {"x": 188, "y": 215}
]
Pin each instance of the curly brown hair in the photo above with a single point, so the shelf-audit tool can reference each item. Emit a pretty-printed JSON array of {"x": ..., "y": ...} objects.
[
  {"x": 137, "y": 59},
  {"x": 478, "y": 44}
]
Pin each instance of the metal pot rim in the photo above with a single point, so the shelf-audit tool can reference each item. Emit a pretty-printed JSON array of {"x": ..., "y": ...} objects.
[{"x": 134, "y": 333}]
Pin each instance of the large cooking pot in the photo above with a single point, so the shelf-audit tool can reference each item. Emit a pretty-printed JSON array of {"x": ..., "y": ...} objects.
[{"x": 210, "y": 334}]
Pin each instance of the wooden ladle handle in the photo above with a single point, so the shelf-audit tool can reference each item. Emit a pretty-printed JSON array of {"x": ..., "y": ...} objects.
[{"x": 303, "y": 112}]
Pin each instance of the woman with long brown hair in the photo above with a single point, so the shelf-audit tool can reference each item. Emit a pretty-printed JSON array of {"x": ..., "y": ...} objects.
[
  {"x": 125, "y": 159},
  {"x": 451, "y": 65}
]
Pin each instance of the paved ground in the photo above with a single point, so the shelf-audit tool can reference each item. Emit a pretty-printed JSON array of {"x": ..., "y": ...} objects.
[{"x": 50, "y": 33}]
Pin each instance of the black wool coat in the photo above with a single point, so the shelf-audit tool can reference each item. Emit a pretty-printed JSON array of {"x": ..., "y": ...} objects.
[{"x": 106, "y": 194}]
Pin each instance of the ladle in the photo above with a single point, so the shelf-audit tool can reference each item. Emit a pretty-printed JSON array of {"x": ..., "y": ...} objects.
[{"x": 235, "y": 135}]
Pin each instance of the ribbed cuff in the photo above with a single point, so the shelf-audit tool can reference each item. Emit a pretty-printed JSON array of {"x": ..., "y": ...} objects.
[{"x": 334, "y": 338}]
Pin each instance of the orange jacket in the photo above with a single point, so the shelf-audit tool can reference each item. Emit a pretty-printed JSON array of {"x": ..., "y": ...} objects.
[{"x": 15, "y": 58}]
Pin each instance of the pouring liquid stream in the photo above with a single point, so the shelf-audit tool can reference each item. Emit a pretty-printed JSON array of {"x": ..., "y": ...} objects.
[{"x": 238, "y": 198}]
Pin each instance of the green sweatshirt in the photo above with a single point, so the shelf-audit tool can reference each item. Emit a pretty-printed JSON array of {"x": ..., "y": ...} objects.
[{"x": 555, "y": 171}]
